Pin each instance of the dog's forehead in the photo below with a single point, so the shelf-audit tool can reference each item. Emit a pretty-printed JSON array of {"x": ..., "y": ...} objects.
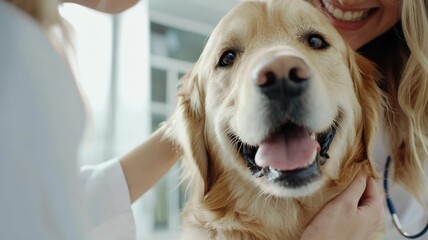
[
  {"x": 255, "y": 23},
  {"x": 253, "y": 18}
]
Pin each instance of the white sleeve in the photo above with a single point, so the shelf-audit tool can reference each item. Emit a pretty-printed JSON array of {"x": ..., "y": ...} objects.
[{"x": 108, "y": 201}]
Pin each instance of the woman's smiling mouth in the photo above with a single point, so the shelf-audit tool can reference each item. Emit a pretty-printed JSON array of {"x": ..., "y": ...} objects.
[{"x": 348, "y": 19}]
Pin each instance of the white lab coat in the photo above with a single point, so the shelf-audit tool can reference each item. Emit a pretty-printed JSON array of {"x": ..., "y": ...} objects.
[
  {"x": 41, "y": 123},
  {"x": 42, "y": 119}
]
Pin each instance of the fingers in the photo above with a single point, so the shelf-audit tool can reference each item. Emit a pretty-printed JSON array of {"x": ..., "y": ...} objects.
[
  {"x": 353, "y": 193},
  {"x": 356, "y": 213},
  {"x": 371, "y": 194},
  {"x": 361, "y": 195},
  {"x": 371, "y": 204}
]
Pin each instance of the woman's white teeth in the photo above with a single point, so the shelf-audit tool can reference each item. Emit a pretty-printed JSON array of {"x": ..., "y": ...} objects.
[{"x": 349, "y": 16}]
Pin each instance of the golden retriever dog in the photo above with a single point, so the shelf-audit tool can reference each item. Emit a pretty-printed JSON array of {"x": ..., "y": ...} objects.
[{"x": 275, "y": 119}]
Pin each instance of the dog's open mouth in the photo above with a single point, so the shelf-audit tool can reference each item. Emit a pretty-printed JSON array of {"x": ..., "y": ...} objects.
[{"x": 290, "y": 156}]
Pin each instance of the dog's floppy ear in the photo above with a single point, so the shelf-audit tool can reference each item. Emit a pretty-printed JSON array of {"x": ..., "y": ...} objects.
[
  {"x": 189, "y": 131},
  {"x": 365, "y": 77}
]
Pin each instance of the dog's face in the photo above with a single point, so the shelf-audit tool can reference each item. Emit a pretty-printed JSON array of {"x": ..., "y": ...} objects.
[{"x": 275, "y": 98}]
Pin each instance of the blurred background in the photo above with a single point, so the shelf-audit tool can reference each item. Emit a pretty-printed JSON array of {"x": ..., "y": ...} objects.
[{"x": 128, "y": 66}]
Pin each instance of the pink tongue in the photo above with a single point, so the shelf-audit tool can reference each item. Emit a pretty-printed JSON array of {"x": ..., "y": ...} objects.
[{"x": 287, "y": 150}]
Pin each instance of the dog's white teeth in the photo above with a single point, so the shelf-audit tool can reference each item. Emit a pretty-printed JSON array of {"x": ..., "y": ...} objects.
[{"x": 313, "y": 136}]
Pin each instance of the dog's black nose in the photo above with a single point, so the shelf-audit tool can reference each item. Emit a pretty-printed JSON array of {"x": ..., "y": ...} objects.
[{"x": 283, "y": 77}]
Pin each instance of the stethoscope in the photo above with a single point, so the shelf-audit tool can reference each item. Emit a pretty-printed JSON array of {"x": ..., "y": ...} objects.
[{"x": 391, "y": 207}]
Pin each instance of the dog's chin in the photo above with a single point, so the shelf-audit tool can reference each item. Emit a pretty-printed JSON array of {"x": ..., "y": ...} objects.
[
  {"x": 279, "y": 190},
  {"x": 292, "y": 183},
  {"x": 296, "y": 182}
]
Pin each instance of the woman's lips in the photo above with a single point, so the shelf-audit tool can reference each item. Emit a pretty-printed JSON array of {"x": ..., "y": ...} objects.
[{"x": 346, "y": 19}]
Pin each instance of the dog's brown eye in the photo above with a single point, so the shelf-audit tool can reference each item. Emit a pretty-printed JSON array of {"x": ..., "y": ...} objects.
[
  {"x": 317, "y": 42},
  {"x": 227, "y": 58}
]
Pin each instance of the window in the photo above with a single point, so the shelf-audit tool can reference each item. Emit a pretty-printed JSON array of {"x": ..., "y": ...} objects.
[
  {"x": 173, "y": 52},
  {"x": 174, "y": 43}
]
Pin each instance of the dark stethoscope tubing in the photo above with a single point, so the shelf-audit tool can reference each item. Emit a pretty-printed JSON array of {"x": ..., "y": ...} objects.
[{"x": 391, "y": 207}]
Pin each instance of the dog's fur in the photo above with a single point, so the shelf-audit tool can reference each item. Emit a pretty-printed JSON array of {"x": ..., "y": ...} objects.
[{"x": 226, "y": 200}]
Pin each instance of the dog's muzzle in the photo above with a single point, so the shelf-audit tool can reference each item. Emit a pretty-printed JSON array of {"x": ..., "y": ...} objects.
[{"x": 291, "y": 155}]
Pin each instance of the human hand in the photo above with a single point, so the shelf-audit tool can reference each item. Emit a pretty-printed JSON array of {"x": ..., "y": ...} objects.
[{"x": 353, "y": 215}]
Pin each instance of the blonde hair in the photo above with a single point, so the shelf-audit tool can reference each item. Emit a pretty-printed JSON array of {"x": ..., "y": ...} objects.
[
  {"x": 413, "y": 95},
  {"x": 402, "y": 56}
]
